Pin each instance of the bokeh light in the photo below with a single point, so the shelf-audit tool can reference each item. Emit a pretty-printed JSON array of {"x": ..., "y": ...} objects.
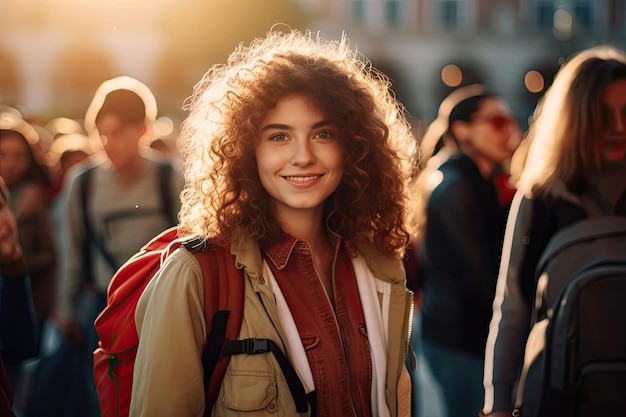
[
  {"x": 563, "y": 22},
  {"x": 534, "y": 81},
  {"x": 451, "y": 75},
  {"x": 163, "y": 127}
]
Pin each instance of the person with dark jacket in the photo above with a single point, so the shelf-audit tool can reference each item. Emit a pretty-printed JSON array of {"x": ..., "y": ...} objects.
[
  {"x": 18, "y": 325},
  {"x": 572, "y": 166},
  {"x": 460, "y": 249}
]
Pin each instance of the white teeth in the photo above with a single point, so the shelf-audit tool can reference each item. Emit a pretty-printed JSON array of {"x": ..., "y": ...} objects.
[{"x": 302, "y": 179}]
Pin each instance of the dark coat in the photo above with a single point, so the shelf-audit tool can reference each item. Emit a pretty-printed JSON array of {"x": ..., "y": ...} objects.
[
  {"x": 18, "y": 331},
  {"x": 460, "y": 256}
]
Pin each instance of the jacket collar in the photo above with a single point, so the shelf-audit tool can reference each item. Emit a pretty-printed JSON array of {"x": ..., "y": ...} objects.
[{"x": 248, "y": 256}]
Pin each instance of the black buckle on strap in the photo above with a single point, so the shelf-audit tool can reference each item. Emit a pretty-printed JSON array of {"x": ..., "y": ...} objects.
[{"x": 254, "y": 346}]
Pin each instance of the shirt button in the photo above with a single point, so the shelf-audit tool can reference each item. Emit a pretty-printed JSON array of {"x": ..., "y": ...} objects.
[
  {"x": 526, "y": 240},
  {"x": 271, "y": 407}
]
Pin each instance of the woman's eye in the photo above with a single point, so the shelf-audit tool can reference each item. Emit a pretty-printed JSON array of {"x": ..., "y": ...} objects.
[
  {"x": 324, "y": 135},
  {"x": 279, "y": 137}
]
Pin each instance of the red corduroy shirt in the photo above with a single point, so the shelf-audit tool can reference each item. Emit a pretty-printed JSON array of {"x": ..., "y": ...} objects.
[{"x": 334, "y": 339}]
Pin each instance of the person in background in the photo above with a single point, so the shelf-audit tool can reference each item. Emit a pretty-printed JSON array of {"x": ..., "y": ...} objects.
[
  {"x": 113, "y": 206},
  {"x": 67, "y": 154},
  {"x": 18, "y": 322},
  {"x": 462, "y": 226},
  {"x": 437, "y": 145},
  {"x": 28, "y": 179},
  {"x": 297, "y": 161},
  {"x": 574, "y": 162},
  {"x": 66, "y": 151}
]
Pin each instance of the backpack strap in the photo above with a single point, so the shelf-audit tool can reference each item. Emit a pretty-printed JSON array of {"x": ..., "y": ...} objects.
[
  {"x": 164, "y": 177},
  {"x": 215, "y": 341},
  {"x": 90, "y": 235},
  {"x": 592, "y": 229},
  {"x": 224, "y": 288},
  {"x": 223, "y": 300}
]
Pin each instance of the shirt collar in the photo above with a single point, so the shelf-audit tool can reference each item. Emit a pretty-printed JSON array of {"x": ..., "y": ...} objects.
[{"x": 279, "y": 252}]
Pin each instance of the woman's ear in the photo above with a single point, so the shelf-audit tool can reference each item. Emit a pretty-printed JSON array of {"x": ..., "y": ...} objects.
[{"x": 460, "y": 130}]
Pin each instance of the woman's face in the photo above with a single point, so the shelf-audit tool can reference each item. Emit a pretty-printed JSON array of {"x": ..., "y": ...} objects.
[
  {"x": 299, "y": 157},
  {"x": 494, "y": 134},
  {"x": 14, "y": 158},
  {"x": 613, "y": 144}
]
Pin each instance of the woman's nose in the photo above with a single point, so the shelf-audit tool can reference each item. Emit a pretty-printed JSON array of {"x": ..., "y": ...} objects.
[{"x": 303, "y": 153}]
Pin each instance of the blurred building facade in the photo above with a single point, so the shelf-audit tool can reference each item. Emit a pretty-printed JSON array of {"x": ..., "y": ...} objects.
[
  {"x": 430, "y": 47},
  {"x": 54, "y": 53}
]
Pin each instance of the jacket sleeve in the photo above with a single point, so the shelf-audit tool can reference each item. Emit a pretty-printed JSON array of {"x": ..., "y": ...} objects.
[
  {"x": 168, "y": 376},
  {"x": 18, "y": 324},
  {"x": 511, "y": 316}
]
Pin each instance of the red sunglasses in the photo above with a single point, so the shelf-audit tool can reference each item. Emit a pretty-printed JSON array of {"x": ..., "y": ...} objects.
[{"x": 498, "y": 122}]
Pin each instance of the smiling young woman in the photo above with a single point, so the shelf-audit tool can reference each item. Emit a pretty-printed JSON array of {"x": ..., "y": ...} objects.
[{"x": 297, "y": 160}]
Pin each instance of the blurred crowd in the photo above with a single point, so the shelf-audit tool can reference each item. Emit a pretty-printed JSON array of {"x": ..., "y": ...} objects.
[
  {"x": 466, "y": 188},
  {"x": 39, "y": 161}
]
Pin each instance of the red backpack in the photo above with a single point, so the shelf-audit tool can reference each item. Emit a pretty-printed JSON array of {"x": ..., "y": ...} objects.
[{"x": 114, "y": 360}]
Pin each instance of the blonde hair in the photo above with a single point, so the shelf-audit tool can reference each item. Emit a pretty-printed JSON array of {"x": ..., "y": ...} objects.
[
  {"x": 223, "y": 195},
  {"x": 561, "y": 143}
]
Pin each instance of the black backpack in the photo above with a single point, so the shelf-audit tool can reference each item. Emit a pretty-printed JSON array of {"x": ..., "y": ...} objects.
[{"x": 575, "y": 358}]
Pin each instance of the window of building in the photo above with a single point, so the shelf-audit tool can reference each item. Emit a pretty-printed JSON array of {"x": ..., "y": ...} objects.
[
  {"x": 545, "y": 13},
  {"x": 583, "y": 14},
  {"x": 503, "y": 18},
  {"x": 451, "y": 13},
  {"x": 394, "y": 12},
  {"x": 357, "y": 10}
]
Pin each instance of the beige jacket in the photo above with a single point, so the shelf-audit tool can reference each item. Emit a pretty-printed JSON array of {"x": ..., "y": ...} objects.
[{"x": 168, "y": 377}]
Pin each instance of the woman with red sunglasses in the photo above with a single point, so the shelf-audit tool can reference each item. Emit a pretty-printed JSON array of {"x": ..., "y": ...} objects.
[{"x": 463, "y": 225}]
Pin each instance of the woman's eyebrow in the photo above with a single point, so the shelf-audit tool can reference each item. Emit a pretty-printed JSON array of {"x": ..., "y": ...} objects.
[
  {"x": 281, "y": 126},
  {"x": 321, "y": 123},
  {"x": 275, "y": 126}
]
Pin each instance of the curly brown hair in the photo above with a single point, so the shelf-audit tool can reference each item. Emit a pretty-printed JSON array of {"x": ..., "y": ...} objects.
[{"x": 223, "y": 194}]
